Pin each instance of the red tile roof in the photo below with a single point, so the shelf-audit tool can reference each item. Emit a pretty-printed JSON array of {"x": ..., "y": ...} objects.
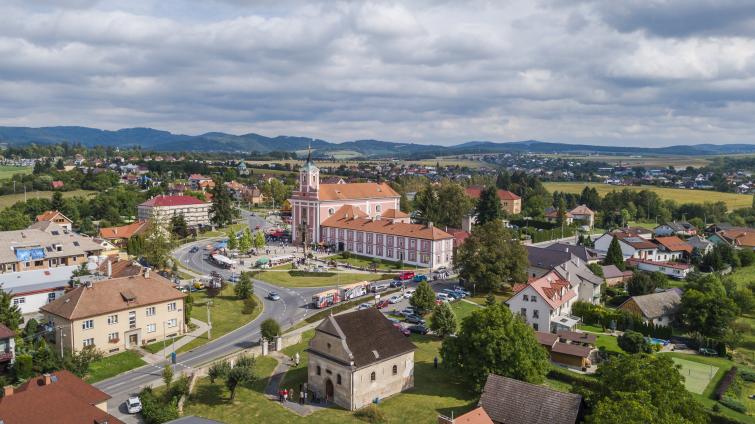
[
  {"x": 124, "y": 231},
  {"x": 475, "y": 416},
  {"x": 66, "y": 399},
  {"x": 57, "y": 184},
  {"x": 173, "y": 201},
  {"x": 475, "y": 191},
  {"x": 674, "y": 244},
  {"x": 356, "y": 191},
  {"x": 198, "y": 177},
  {"x": 383, "y": 226},
  {"x": 49, "y": 216},
  {"x": 394, "y": 214},
  {"x": 549, "y": 287}
]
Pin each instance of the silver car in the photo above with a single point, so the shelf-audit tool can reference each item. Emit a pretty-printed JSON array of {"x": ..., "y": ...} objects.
[{"x": 133, "y": 405}]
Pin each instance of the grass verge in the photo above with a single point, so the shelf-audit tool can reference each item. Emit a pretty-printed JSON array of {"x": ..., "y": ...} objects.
[{"x": 110, "y": 366}]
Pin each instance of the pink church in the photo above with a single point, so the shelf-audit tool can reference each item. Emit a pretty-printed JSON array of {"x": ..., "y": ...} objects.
[{"x": 364, "y": 218}]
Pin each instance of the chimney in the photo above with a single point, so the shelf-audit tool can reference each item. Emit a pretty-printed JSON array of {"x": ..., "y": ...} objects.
[
  {"x": 7, "y": 391},
  {"x": 429, "y": 224},
  {"x": 48, "y": 378},
  {"x": 146, "y": 272},
  {"x": 109, "y": 269}
]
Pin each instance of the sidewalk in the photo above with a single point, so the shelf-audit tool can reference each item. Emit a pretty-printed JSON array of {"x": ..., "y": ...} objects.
[
  {"x": 152, "y": 358},
  {"x": 274, "y": 384}
]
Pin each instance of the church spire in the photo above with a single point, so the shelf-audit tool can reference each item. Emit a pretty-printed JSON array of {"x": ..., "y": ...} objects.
[{"x": 309, "y": 152}]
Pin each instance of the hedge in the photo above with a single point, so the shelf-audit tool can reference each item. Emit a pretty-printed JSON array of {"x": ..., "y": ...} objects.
[
  {"x": 561, "y": 374},
  {"x": 718, "y": 418},
  {"x": 733, "y": 403},
  {"x": 726, "y": 381},
  {"x": 624, "y": 320}
]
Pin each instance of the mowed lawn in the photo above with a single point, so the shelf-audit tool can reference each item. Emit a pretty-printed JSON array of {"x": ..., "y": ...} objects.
[
  {"x": 8, "y": 171},
  {"x": 435, "y": 392},
  {"x": 697, "y": 376},
  {"x": 733, "y": 201},
  {"x": 225, "y": 313},
  {"x": 314, "y": 279},
  {"x": 110, "y": 366},
  {"x": 11, "y": 199},
  {"x": 745, "y": 353},
  {"x": 463, "y": 309}
]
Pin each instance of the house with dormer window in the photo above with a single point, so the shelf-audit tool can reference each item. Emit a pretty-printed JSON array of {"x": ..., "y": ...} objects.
[{"x": 545, "y": 303}]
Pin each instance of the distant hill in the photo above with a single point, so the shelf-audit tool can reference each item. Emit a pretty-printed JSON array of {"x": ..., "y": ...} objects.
[{"x": 153, "y": 139}]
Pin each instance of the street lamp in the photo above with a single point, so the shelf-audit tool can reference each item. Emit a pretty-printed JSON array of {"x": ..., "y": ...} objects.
[{"x": 209, "y": 321}]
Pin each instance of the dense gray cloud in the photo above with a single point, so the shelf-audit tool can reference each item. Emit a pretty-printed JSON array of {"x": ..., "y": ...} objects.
[{"x": 638, "y": 73}]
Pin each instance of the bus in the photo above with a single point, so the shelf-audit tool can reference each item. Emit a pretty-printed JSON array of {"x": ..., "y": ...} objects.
[
  {"x": 325, "y": 299},
  {"x": 351, "y": 291}
]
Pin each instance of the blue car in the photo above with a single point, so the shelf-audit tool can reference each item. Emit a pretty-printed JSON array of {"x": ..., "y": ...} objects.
[{"x": 419, "y": 278}]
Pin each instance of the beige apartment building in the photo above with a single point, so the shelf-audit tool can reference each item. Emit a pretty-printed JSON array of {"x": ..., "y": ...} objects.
[
  {"x": 44, "y": 245},
  {"x": 357, "y": 357},
  {"x": 163, "y": 208},
  {"x": 116, "y": 314}
]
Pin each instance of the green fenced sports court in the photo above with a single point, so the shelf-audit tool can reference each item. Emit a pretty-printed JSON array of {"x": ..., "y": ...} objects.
[{"x": 696, "y": 375}]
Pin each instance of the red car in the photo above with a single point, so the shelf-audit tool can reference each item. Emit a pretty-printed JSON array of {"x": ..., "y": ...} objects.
[
  {"x": 382, "y": 304},
  {"x": 404, "y": 331},
  {"x": 406, "y": 275}
]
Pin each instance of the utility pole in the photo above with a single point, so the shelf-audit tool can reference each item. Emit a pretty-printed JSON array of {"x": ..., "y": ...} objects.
[
  {"x": 163, "y": 336},
  {"x": 61, "y": 341},
  {"x": 209, "y": 322}
]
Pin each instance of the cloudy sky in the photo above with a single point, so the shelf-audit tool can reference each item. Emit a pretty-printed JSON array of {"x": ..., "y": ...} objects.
[{"x": 652, "y": 73}]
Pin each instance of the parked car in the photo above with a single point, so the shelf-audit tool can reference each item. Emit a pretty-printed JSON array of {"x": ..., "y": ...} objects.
[
  {"x": 273, "y": 296},
  {"x": 395, "y": 299},
  {"x": 364, "y": 306},
  {"x": 443, "y": 297},
  {"x": 408, "y": 293},
  {"x": 234, "y": 278},
  {"x": 418, "y": 329},
  {"x": 397, "y": 283},
  {"x": 414, "y": 319},
  {"x": 406, "y": 275},
  {"x": 380, "y": 287},
  {"x": 452, "y": 294},
  {"x": 404, "y": 331},
  {"x": 408, "y": 311},
  {"x": 194, "y": 249},
  {"x": 382, "y": 304},
  {"x": 419, "y": 278},
  {"x": 133, "y": 405}
]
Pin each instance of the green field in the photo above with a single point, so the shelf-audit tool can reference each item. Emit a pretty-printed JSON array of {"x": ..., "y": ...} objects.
[
  {"x": 679, "y": 162},
  {"x": 225, "y": 313},
  {"x": 7, "y": 171},
  {"x": 733, "y": 201},
  {"x": 110, "y": 366},
  {"x": 365, "y": 262},
  {"x": 315, "y": 279},
  {"x": 746, "y": 352},
  {"x": 11, "y": 199},
  {"x": 697, "y": 376},
  {"x": 462, "y": 310}
]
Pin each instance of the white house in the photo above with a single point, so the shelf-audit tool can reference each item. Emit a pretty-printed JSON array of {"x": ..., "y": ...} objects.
[
  {"x": 676, "y": 270},
  {"x": 545, "y": 303},
  {"x": 632, "y": 246},
  {"x": 30, "y": 290},
  {"x": 587, "y": 285}
]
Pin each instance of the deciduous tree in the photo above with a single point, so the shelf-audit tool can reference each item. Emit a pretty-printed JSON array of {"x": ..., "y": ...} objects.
[
  {"x": 491, "y": 257},
  {"x": 443, "y": 320},
  {"x": 270, "y": 329},
  {"x": 633, "y": 342},
  {"x": 493, "y": 340},
  {"x": 423, "y": 298}
]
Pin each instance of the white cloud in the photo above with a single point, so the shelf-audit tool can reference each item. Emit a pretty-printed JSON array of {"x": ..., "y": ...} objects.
[{"x": 424, "y": 71}]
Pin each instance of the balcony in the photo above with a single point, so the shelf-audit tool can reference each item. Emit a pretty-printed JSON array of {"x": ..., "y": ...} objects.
[{"x": 6, "y": 356}]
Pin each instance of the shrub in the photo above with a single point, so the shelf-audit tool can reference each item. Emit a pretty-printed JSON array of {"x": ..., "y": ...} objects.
[
  {"x": 734, "y": 404},
  {"x": 747, "y": 375},
  {"x": 179, "y": 388},
  {"x": 634, "y": 342},
  {"x": 718, "y": 418},
  {"x": 371, "y": 413},
  {"x": 250, "y": 304},
  {"x": 270, "y": 328},
  {"x": 727, "y": 381},
  {"x": 23, "y": 367},
  {"x": 154, "y": 411}
]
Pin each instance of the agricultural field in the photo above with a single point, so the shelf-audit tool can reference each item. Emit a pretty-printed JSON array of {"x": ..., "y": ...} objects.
[
  {"x": 733, "y": 201},
  {"x": 7, "y": 171},
  {"x": 11, "y": 199},
  {"x": 678, "y": 162}
]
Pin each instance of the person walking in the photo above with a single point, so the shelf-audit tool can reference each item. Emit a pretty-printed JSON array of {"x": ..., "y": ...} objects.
[
  {"x": 280, "y": 395},
  {"x": 296, "y": 359},
  {"x": 435, "y": 362},
  {"x": 301, "y": 397},
  {"x": 305, "y": 397},
  {"x": 285, "y": 395}
]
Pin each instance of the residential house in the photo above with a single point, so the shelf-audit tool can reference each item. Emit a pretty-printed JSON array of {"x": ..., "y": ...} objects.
[
  {"x": 739, "y": 237},
  {"x": 56, "y": 397},
  {"x": 655, "y": 308},
  {"x": 700, "y": 244},
  {"x": 30, "y": 290},
  {"x": 678, "y": 228},
  {"x": 7, "y": 346},
  {"x": 350, "y": 229},
  {"x": 358, "y": 357},
  {"x": 632, "y": 245},
  {"x": 163, "y": 208},
  {"x": 676, "y": 270},
  {"x": 254, "y": 196},
  {"x": 542, "y": 260},
  {"x": 200, "y": 182},
  {"x": 613, "y": 276},
  {"x": 510, "y": 202},
  {"x": 475, "y": 416},
  {"x": 569, "y": 348},
  {"x": 120, "y": 235},
  {"x": 551, "y": 215},
  {"x": 510, "y": 401},
  {"x": 545, "y": 303},
  {"x": 237, "y": 189},
  {"x": 57, "y": 217},
  {"x": 572, "y": 268},
  {"x": 672, "y": 248},
  {"x": 584, "y": 215},
  {"x": 586, "y": 254},
  {"x": 42, "y": 246},
  {"x": 116, "y": 314}
]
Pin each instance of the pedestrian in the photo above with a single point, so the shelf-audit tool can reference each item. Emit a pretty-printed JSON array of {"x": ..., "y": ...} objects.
[
  {"x": 280, "y": 395},
  {"x": 305, "y": 397},
  {"x": 296, "y": 359},
  {"x": 435, "y": 362},
  {"x": 285, "y": 395},
  {"x": 301, "y": 397}
]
